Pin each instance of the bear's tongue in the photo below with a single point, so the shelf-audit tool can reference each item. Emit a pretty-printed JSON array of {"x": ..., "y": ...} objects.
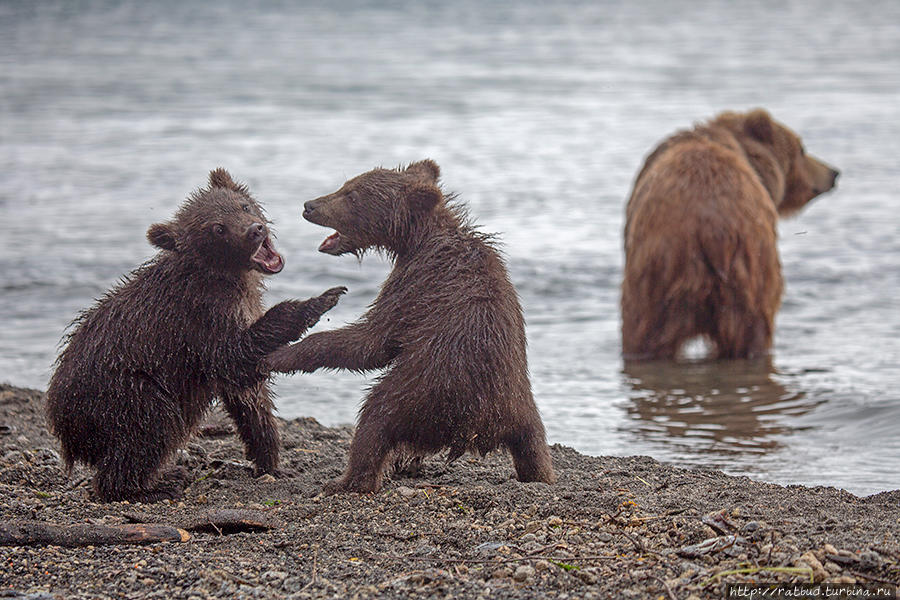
[
  {"x": 331, "y": 243},
  {"x": 267, "y": 258}
]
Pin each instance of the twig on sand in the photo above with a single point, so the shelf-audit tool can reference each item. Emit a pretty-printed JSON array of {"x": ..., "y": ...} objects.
[
  {"x": 495, "y": 561},
  {"x": 315, "y": 576},
  {"x": 669, "y": 591},
  {"x": 871, "y": 578}
]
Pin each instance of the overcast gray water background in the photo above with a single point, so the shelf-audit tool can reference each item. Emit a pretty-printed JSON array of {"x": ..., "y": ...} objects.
[{"x": 540, "y": 115}]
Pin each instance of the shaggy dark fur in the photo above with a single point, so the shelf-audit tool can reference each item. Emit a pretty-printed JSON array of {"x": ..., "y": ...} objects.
[
  {"x": 447, "y": 326},
  {"x": 142, "y": 365},
  {"x": 701, "y": 255}
]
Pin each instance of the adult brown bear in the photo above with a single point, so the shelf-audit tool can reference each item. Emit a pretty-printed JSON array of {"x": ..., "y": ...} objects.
[{"x": 701, "y": 255}]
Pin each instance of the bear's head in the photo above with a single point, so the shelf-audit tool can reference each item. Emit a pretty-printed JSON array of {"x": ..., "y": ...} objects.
[
  {"x": 792, "y": 176},
  {"x": 379, "y": 209},
  {"x": 222, "y": 228}
]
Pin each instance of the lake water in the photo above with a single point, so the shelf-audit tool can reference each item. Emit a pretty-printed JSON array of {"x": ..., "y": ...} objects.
[{"x": 540, "y": 115}]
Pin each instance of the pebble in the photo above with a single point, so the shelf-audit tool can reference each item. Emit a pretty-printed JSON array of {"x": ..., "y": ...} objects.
[
  {"x": 554, "y": 522},
  {"x": 542, "y": 565},
  {"x": 523, "y": 573},
  {"x": 809, "y": 559},
  {"x": 869, "y": 560},
  {"x": 406, "y": 492},
  {"x": 750, "y": 527},
  {"x": 266, "y": 478},
  {"x": 501, "y": 573},
  {"x": 832, "y": 567}
]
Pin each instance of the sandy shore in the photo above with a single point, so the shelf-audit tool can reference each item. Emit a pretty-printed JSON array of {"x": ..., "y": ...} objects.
[{"x": 612, "y": 526}]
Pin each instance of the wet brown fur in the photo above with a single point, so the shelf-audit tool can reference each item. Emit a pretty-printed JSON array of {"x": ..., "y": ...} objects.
[
  {"x": 701, "y": 256},
  {"x": 446, "y": 326},
  {"x": 141, "y": 367}
]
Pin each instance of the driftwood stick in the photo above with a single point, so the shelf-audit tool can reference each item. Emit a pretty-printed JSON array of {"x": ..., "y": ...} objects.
[{"x": 40, "y": 533}]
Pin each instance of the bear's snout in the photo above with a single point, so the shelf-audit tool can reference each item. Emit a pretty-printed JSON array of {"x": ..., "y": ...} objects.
[
  {"x": 310, "y": 207},
  {"x": 256, "y": 232}
]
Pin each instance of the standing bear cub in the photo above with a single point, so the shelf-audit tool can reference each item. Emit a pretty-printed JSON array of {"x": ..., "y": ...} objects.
[
  {"x": 446, "y": 325},
  {"x": 701, "y": 255},
  {"x": 142, "y": 366}
]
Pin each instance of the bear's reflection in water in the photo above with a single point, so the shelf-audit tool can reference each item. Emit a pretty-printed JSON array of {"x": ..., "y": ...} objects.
[{"x": 708, "y": 411}]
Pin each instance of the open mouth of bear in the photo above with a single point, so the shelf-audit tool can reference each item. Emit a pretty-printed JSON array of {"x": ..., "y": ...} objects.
[
  {"x": 268, "y": 260},
  {"x": 332, "y": 244}
]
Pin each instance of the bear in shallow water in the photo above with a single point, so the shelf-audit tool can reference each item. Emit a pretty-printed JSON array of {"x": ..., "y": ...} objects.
[
  {"x": 141, "y": 367},
  {"x": 446, "y": 326},
  {"x": 701, "y": 255}
]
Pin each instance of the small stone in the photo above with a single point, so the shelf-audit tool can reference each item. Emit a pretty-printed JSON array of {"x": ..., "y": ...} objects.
[
  {"x": 406, "y": 492},
  {"x": 266, "y": 478},
  {"x": 541, "y": 565},
  {"x": 604, "y": 537},
  {"x": 586, "y": 576},
  {"x": 829, "y": 549},
  {"x": 750, "y": 527},
  {"x": 528, "y": 537},
  {"x": 501, "y": 573},
  {"x": 554, "y": 522},
  {"x": 869, "y": 560},
  {"x": 532, "y": 526},
  {"x": 274, "y": 576},
  {"x": 809, "y": 559},
  {"x": 523, "y": 573}
]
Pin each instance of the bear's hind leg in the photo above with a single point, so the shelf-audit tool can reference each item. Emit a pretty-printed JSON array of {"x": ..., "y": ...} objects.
[
  {"x": 251, "y": 411},
  {"x": 530, "y": 454},
  {"x": 373, "y": 444},
  {"x": 132, "y": 475},
  {"x": 741, "y": 334}
]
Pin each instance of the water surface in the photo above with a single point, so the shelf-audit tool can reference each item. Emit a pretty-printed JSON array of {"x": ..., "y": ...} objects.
[{"x": 540, "y": 115}]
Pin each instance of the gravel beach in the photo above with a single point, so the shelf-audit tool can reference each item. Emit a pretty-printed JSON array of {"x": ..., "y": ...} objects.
[{"x": 627, "y": 527}]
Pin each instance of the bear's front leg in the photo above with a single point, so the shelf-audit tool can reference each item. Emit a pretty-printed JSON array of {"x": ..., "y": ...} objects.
[
  {"x": 288, "y": 320},
  {"x": 357, "y": 347}
]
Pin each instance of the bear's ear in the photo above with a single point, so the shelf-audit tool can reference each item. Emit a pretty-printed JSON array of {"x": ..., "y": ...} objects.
[
  {"x": 220, "y": 178},
  {"x": 423, "y": 198},
  {"x": 162, "y": 235},
  {"x": 425, "y": 170},
  {"x": 758, "y": 125}
]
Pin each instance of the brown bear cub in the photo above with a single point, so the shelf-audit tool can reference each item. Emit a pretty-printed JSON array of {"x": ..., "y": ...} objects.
[
  {"x": 701, "y": 255},
  {"x": 446, "y": 325},
  {"x": 142, "y": 366}
]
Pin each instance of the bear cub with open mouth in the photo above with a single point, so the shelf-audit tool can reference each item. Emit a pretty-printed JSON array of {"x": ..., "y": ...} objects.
[
  {"x": 447, "y": 328},
  {"x": 142, "y": 366}
]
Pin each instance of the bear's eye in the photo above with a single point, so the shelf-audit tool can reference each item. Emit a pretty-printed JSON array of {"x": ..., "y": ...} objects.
[
  {"x": 246, "y": 207},
  {"x": 219, "y": 229}
]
